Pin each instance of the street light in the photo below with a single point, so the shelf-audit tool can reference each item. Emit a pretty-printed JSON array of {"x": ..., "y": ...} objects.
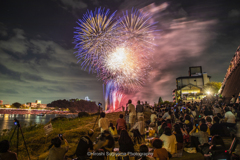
[{"x": 208, "y": 92}]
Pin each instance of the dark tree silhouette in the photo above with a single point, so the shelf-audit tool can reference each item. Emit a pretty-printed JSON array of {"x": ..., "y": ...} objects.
[
  {"x": 16, "y": 104},
  {"x": 75, "y": 105}
]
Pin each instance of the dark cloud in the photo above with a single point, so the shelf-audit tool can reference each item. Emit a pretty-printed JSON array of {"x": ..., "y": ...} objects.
[
  {"x": 74, "y": 4},
  {"x": 188, "y": 37},
  {"x": 9, "y": 73}
]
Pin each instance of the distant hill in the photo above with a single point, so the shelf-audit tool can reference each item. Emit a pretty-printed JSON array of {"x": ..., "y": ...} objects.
[{"x": 75, "y": 105}]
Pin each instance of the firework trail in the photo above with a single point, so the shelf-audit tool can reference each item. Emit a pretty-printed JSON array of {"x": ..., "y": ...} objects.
[{"x": 119, "y": 51}]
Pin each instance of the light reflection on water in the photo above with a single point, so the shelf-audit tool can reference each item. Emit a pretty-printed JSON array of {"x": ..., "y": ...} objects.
[{"x": 7, "y": 120}]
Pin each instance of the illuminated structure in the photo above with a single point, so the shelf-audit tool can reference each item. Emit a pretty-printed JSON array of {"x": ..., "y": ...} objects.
[
  {"x": 190, "y": 88},
  {"x": 37, "y": 104},
  {"x": 87, "y": 98}
]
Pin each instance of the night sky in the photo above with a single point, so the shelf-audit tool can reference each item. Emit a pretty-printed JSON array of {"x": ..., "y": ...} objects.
[{"x": 36, "y": 46}]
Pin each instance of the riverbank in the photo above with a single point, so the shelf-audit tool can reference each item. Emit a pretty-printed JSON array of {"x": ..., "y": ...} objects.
[
  {"x": 33, "y": 111},
  {"x": 72, "y": 129}
]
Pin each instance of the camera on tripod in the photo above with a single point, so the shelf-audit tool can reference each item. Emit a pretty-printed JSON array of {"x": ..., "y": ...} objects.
[{"x": 16, "y": 122}]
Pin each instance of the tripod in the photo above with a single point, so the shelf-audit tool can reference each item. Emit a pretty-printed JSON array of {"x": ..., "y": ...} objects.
[
  {"x": 99, "y": 104},
  {"x": 16, "y": 122}
]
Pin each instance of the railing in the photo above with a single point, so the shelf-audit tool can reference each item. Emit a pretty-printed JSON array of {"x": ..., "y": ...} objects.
[{"x": 232, "y": 66}]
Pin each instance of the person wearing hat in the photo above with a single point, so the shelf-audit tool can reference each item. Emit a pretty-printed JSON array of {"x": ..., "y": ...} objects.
[{"x": 85, "y": 145}]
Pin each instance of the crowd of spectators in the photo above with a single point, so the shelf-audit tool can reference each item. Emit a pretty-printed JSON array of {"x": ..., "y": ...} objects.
[{"x": 162, "y": 130}]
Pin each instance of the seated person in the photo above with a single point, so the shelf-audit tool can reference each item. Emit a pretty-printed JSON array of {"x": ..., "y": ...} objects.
[
  {"x": 202, "y": 121},
  {"x": 166, "y": 115},
  {"x": 209, "y": 122},
  {"x": 186, "y": 137},
  {"x": 217, "y": 144},
  {"x": 153, "y": 117},
  {"x": 105, "y": 142},
  {"x": 216, "y": 128},
  {"x": 161, "y": 128},
  {"x": 230, "y": 119},
  {"x": 169, "y": 123},
  {"x": 103, "y": 122},
  {"x": 121, "y": 124},
  {"x": 139, "y": 125},
  {"x": 125, "y": 142},
  {"x": 169, "y": 141},
  {"x": 216, "y": 147},
  {"x": 208, "y": 111},
  {"x": 137, "y": 139},
  {"x": 144, "y": 150},
  {"x": 5, "y": 154},
  {"x": 193, "y": 112},
  {"x": 199, "y": 138},
  {"x": 179, "y": 136},
  {"x": 113, "y": 130},
  {"x": 159, "y": 152},
  {"x": 57, "y": 152},
  {"x": 85, "y": 145},
  {"x": 188, "y": 123}
]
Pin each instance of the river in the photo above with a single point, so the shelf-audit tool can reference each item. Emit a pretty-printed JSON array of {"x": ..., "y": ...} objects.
[{"x": 7, "y": 120}]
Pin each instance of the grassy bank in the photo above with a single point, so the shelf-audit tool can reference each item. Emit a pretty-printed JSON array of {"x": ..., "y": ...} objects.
[{"x": 38, "y": 142}]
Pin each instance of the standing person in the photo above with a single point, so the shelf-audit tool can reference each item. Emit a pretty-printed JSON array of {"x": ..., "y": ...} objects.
[
  {"x": 132, "y": 113},
  {"x": 103, "y": 122},
  {"x": 122, "y": 108},
  {"x": 121, "y": 124},
  {"x": 85, "y": 145},
  {"x": 139, "y": 110},
  {"x": 5, "y": 154},
  {"x": 57, "y": 152}
]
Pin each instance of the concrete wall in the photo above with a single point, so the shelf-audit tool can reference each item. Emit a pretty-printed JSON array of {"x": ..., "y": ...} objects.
[
  {"x": 205, "y": 78},
  {"x": 232, "y": 85}
]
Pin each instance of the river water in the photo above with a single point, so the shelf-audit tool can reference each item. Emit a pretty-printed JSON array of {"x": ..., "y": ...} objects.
[{"x": 7, "y": 120}]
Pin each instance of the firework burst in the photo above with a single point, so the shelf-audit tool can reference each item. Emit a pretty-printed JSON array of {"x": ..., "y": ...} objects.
[
  {"x": 129, "y": 63},
  {"x": 96, "y": 35},
  {"x": 119, "y": 51}
]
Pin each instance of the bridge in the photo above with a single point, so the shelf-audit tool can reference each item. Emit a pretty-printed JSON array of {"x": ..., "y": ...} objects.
[{"x": 231, "y": 81}]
